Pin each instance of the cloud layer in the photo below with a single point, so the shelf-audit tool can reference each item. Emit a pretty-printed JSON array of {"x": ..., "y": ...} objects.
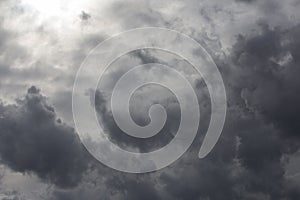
[{"x": 256, "y": 46}]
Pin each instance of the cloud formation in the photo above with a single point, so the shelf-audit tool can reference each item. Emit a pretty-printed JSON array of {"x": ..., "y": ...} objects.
[
  {"x": 255, "y": 44},
  {"x": 34, "y": 140}
]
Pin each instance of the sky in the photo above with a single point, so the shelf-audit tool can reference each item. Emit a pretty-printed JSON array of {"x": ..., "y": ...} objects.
[{"x": 256, "y": 47}]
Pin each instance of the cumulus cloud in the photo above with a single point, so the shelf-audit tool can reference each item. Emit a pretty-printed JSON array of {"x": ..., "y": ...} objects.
[{"x": 34, "y": 140}]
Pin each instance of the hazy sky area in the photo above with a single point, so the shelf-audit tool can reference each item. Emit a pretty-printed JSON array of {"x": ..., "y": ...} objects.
[{"x": 254, "y": 43}]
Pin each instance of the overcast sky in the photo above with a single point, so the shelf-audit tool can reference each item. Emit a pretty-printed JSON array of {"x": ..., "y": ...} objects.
[{"x": 254, "y": 43}]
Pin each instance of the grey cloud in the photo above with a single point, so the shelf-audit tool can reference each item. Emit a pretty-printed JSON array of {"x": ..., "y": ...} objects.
[
  {"x": 146, "y": 96},
  {"x": 248, "y": 162},
  {"x": 114, "y": 185},
  {"x": 84, "y": 16},
  {"x": 140, "y": 116},
  {"x": 269, "y": 63},
  {"x": 265, "y": 67},
  {"x": 246, "y": 1},
  {"x": 136, "y": 14},
  {"x": 34, "y": 140}
]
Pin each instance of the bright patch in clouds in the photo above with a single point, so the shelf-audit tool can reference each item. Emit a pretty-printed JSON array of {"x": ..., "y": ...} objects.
[{"x": 56, "y": 8}]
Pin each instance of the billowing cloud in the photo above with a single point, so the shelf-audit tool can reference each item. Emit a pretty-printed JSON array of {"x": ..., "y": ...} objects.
[
  {"x": 249, "y": 160},
  {"x": 34, "y": 140}
]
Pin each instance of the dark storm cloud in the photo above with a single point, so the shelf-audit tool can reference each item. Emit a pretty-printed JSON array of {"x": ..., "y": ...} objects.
[
  {"x": 266, "y": 66},
  {"x": 247, "y": 162},
  {"x": 270, "y": 68},
  {"x": 261, "y": 77},
  {"x": 34, "y": 140},
  {"x": 261, "y": 130}
]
